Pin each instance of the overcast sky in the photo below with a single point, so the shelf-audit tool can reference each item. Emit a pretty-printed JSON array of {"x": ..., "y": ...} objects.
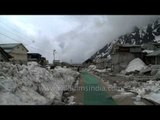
[{"x": 75, "y": 38}]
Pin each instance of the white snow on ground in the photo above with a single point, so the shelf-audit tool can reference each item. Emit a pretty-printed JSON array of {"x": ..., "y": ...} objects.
[
  {"x": 92, "y": 67},
  {"x": 123, "y": 94},
  {"x": 139, "y": 103},
  {"x": 71, "y": 100},
  {"x": 100, "y": 71},
  {"x": 147, "y": 51},
  {"x": 135, "y": 64},
  {"x": 31, "y": 84},
  {"x": 148, "y": 90},
  {"x": 154, "y": 97},
  {"x": 157, "y": 38}
]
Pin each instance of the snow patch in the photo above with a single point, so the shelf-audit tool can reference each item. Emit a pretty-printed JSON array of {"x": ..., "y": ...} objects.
[
  {"x": 135, "y": 64},
  {"x": 154, "y": 97},
  {"x": 157, "y": 38},
  {"x": 147, "y": 51}
]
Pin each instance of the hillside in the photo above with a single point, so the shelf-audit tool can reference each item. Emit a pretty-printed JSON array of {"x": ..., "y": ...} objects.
[{"x": 149, "y": 33}]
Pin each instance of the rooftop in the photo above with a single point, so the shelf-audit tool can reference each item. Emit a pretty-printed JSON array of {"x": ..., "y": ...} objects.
[
  {"x": 129, "y": 45},
  {"x": 155, "y": 53},
  {"x": 8, "y": 46}
]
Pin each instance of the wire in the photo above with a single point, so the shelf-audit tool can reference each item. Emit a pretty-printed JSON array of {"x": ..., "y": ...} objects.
[
  {"x": 9, "y": 37},
  {"x": 16, "y": 34},
  {"x": 19, "y": 35},
  {"x": 47, "y": 51},
  {"x": 23, "y": 43}
]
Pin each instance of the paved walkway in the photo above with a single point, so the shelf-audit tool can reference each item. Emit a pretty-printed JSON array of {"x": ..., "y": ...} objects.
[{"x": 94, "y": 93}]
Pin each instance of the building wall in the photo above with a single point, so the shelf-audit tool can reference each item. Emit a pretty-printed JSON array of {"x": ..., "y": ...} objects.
[
  {"x": 120, "y": 60},
  {"x": 19, "y": 53}
]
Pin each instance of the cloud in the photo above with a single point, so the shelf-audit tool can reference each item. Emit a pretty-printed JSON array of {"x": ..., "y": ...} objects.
[{"x": 74, "y": 37}]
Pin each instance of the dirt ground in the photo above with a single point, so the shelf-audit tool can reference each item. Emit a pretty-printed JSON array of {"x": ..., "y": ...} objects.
[{"x": 78, "y": 94}]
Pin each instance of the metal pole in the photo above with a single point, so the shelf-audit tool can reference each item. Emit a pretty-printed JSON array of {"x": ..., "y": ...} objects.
[{"x": 54, "y": 52}]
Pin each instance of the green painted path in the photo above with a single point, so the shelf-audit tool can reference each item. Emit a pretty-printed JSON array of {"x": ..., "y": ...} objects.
[{"x": 94, "y": 93}]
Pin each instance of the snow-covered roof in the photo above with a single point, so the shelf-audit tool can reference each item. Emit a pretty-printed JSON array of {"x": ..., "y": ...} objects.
[
  {"x": 155, "y": 53},
  {"x": 157, "y": 38},
  {"x": 147, "y": 51}
]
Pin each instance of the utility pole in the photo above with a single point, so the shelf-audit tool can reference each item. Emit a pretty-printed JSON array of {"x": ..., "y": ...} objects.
[
  {"x": 54, "y": 54},
  {"x": 71, "y": 61}
]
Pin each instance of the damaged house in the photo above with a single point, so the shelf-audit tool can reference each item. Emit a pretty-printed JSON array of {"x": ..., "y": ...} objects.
[
  {"x": 122, "y": 54},
  {"x": 17, "y": 50}
]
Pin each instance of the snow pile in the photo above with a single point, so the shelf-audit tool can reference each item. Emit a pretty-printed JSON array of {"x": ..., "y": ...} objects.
[
  {"x": 135, "y": 64},
  {"x": 92, "y": 67},
  {"x": 153, "y": 97},
  {"x": 147, "y": 51},
  {"x": 100, "y": 71},
  {"x": 149, "y": 90},
  {"x": 157, "y": 39},
  {"x": 155, "y": 69},
  {"x": 32, "y": 84}
]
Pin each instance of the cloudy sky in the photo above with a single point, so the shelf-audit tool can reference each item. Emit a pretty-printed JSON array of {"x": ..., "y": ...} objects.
[{"x": 75, "y": 38}]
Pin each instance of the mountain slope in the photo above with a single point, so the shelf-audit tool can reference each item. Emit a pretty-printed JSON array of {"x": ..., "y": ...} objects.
[{"x": 149, "y": 33}]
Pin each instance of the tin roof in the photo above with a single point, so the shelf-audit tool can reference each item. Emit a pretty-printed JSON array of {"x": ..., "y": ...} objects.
[{"x": 9, "y": 46}]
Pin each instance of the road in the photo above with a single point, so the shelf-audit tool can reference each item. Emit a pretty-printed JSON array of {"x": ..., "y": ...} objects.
[{"x": 93, "y": 92}]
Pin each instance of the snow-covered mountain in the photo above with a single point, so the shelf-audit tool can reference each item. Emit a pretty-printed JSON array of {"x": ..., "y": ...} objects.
[{"x": 149, "y": 33}]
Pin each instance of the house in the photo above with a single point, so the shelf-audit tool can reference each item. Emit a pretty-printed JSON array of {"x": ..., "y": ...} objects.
[
  {"x": 121, "y": 55},
  {"x": 56, "y": 62},
  {"x": 4, "y": 56},
  {"x": 153, "y": 57},
  {"x": 151, "y": 52},
  {"x": 17, "y": 50},
  {"x": 34, "y": 57}
]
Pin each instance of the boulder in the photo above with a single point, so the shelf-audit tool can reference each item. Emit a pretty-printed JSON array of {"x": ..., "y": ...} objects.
[{"x": 135, "y": 66}]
